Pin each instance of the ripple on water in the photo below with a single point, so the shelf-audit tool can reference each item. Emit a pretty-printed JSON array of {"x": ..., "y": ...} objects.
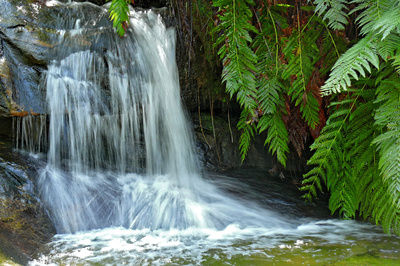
[{"x": 315, "y": 242}]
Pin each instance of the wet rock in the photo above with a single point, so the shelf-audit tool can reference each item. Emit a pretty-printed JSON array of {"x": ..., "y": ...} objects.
[
  {"x": 217, "y": 140},
  {"x": 24, "y": 223},
  {"x": 30, "y": 37}
]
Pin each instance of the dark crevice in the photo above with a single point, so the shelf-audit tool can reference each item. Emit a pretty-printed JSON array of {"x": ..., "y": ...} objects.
[{"x": 16, "y": 26}]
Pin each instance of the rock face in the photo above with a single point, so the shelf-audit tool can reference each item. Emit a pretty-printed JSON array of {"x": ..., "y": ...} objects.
[
  {"x": 29, "y": 40},
  {"x": 217, "y": 142},
  {"x": 24, "y": 223}
]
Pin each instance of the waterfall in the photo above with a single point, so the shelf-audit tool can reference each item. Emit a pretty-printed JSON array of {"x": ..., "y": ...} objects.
[{"x": 120, "y": 150}]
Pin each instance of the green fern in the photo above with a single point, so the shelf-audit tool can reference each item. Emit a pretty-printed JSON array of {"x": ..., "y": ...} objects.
[
  {"x": 246, "y": 126},
  {"x": 327, "y": 158},
  {"x": 237, "y": 57},
  {"x": 303, "y": 55},
  {"x": 380, "y": 23},
  {"x": 119, "y": 15},
  {"x": 387, "y": 117},
  {"x": 374, "y": 13},
  {"x": 333, "y": 12},
  {"x": 277, "y": 138},
  {"x": 354, "y": 62}
]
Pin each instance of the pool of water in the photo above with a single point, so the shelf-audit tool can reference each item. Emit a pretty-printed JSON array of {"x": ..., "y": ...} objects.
[{"x": 307, "y": 236}]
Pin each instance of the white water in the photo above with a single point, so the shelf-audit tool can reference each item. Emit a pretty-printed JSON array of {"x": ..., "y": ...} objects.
[
  {"x": 122, "y": 154},
  {"x": 121, "y": 181}
]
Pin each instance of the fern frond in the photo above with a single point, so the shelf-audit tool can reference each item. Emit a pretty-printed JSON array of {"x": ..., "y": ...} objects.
[
  {"x": 388, "y": 47},
  {"x": 389, "y": 21},
  {"x": 344, "y": 192},
  {"x": 277, "y": 138},
  {"x": 238, "y": 59},
  {"x": 333, "y": 9},
  {"x": 396, "y": 61},
  {"x": 387, "y": 118},
  {"x": 245, "y": 125},
  {"x": 269, "y": 94},
  {"x": 302, "y": 57},
  {"x": 373, "y": 11},
  {"x": 119, "y": 14},
  {"x": 328, "y": 147},
  {"x": 355, "y": 62}
]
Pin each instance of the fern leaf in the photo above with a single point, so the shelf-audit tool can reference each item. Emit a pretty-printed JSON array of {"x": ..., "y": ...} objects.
[
  {"x": 238, "y": 59},
  {"x": 389, "y": 21},
  {"x": 387, "y": 118},
  {"x": 328, "y": 147},
  {"x": 357, "y": 58},
  {"x": 269, "y": 91},
  {"x": 245, "y": 125},
  {"x": 302, "y": 59},
  {"x": 333, "y": 9},
  {"x": 372, "y": 12},
  {"x": 119, "y": 14},
  {"x": 277, "y": 138}
]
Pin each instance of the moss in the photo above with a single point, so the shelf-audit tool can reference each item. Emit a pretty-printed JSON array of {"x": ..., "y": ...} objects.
[
  {"x": 367, "y": 259},
  {"x": 5, "y": 260}
]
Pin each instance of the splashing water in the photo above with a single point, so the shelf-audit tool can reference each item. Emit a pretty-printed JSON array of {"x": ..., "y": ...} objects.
[
  {"x": 121, "y": 181},
  {"x": 120, "y": 148}
]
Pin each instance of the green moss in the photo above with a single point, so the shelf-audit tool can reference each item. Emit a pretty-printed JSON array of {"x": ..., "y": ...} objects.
[
  {"x": 366, "y": 259},
  {"x": 4, "y": 260}
]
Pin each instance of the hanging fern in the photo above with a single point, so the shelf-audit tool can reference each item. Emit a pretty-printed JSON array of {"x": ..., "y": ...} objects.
[
  {"x": 378, "y": 21},
  {"x": 333, "y": 11},
  {"x": 356, "y": 61},
  {"x": 239, "y": 61},
  {"x": 119, "y": 15},
  {"x": 387, "y": 118},
  {"x": 303, "y": 54},
  {"x": 277, "y": 138},
  {"x": 327, "y": 158},
  {"x": 237, "y": 57},
  {"x": 245, "y": 125}
]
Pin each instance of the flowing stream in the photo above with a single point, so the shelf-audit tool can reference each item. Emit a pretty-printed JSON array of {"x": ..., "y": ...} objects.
[{"x": 122, "y": 182}]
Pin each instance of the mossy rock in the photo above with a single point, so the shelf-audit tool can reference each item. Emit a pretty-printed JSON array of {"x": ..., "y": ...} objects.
[
  {"x": 5, "y": 260},
  {"x": 24, "y": 223}
]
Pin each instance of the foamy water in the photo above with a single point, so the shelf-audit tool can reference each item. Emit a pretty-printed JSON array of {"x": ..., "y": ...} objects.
[{"x": 194, "y": 246}]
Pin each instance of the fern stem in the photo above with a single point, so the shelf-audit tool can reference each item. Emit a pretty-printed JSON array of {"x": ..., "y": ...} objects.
[
  {"x": 229, "y": 124},
  {"x": 333, "y": 41},
  {"x": 263, "y": 36},
  {"x": 276, "y": 41},
  {"x": 300, "y": 55},
  {"x": 308, "y": 22}
]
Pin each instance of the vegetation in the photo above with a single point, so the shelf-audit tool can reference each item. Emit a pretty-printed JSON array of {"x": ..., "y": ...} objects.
[{"x": 326, "y": 70}]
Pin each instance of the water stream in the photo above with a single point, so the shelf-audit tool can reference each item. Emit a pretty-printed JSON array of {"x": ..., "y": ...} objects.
[{"x": 122, "y": 182}]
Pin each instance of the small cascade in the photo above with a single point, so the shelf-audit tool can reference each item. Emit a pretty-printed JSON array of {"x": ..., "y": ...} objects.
[
  {"x": 120, "y": 149},
  {"x": 30, "y": 133}
]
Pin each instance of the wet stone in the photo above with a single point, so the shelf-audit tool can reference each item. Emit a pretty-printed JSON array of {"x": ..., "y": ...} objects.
[{"x": 24, "y": 223}]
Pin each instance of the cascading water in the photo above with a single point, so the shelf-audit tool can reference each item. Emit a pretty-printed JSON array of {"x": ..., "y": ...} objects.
[
  {"x": 121, "y": 180},
  {"x": 120, "y": 149}
]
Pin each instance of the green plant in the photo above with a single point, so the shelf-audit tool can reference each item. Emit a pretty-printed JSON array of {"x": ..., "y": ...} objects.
[
  {"x": 274, "y": 67},
  {"x": 119, "y": 15},
  {"x": 357, "y": 155}
]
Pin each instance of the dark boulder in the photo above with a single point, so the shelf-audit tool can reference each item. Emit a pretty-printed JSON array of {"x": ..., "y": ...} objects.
[{"x": 24, "y": 224}]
